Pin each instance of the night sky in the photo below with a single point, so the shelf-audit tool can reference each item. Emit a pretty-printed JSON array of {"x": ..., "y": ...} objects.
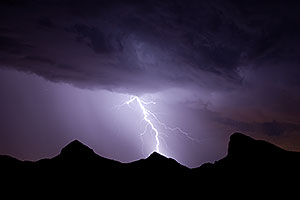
[{"x": 212, "y": 67}]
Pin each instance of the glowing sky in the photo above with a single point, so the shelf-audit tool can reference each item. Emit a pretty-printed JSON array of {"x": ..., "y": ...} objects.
[{"x": 212, "y": 68}]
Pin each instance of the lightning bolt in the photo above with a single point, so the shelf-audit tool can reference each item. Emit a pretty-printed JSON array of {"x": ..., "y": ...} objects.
[
  {"x": 151, "y": 119},
  {"x": 146, "y": 114}
]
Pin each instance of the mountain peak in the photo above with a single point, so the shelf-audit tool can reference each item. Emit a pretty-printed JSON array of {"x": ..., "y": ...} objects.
[
  {"x": 161, "y": 162},
  {"x": 241, "y": 145},
  {"x": 75, "y": 142},
  {"x": 76, "y": 148},
  {"x": 237, "y": 135},
  {"x": 156, "y": 156}
]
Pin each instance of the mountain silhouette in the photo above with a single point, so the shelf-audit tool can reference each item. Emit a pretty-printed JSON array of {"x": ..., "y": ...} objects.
[
  {"x": 76, "y": 148},
  {"x": 248, "y": 161},
  {"x": 254, "y": 164}
]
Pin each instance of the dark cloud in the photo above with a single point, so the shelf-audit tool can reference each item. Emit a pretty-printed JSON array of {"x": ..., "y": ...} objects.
[
  {"x": 166, "y": 41},
  {"x": 39, "y": 60},
  {"x": 12, "y": 46},
  {"x": 269, "y": 128},
  {"x": 45, "y": 22},
  {"x": 96, "y": 39},
  {"x": 123, "y": 45},
  {"x": 273, "y": 128}
]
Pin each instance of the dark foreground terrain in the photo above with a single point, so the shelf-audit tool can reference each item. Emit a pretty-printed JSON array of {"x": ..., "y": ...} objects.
[{"x": 251, "y": 165}]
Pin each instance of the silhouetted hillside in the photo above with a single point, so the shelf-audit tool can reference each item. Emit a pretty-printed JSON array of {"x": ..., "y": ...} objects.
[
  {"x": 248, "y": 161},
  {"x": 252, "y": 163}
]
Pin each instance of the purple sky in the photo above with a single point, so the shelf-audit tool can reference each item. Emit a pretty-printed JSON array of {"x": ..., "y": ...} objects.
[{"x": 212, "y": 68}]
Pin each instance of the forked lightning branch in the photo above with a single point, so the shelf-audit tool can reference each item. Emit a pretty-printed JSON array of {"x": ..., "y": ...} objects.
[{"x": 153, "y": 122}]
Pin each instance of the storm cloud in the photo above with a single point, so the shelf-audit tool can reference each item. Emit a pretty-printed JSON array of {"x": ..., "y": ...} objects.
[{"x": 146, "y": 46}]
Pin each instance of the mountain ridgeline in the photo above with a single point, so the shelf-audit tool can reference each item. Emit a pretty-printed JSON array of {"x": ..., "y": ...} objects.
[{"x": 248, "y": 160}]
